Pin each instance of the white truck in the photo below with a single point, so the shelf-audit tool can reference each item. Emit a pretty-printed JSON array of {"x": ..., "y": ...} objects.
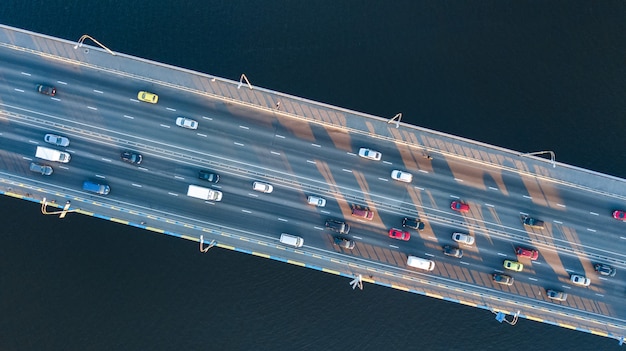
[
  {"x": 204, "y": 193},
  {"x": 52, "y": 155}
]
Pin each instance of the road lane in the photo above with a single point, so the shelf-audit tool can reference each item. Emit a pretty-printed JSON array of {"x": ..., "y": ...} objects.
[{"x": 100, "y": 114}]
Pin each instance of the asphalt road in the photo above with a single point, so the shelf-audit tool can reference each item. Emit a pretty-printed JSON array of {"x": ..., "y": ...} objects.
[{"x": 100, "y": 114}]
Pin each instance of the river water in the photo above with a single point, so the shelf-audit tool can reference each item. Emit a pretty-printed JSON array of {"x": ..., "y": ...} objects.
[{"x": 526, "y": 75}]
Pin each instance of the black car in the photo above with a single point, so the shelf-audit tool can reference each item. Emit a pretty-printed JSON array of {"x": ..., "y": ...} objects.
[
  {"x": 605, "y": 269},
  {"x": 132, "y": 157},
  {"x": 452, "y": 251},
  {"x": 46, "y": 89},
  {"x": 209, "y": 176},
  {"x": 413, "y": 223},
  {"x": 338, "y": 226},
  {"x": 532, "y": 222},
  {"x": 344, "y": 242}
]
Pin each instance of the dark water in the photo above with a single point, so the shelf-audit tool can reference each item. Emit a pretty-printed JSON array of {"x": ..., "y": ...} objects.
[{"x": 527, "y": 75}]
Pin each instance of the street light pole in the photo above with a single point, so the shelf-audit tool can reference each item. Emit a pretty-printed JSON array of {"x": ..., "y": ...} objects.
[
  {"x": 396, "y": 119},
  {"x": 62, "y": 213},
  {"x": 85, "y": 36},
  {"x": 552, "y": 155}
]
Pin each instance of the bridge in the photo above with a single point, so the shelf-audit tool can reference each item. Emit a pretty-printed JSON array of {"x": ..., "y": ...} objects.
[{"x": 305, "y": 148}]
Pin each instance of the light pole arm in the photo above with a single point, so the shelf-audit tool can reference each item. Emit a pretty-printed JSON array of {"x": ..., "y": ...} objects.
[
  {"x": 85, "y": 36},
  {"x": 552, "y": 155}
]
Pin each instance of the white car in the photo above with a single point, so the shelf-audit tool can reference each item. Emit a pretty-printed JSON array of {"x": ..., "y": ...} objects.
[
  {"x": 262, "y": 187},
  {"x": 580, "y": 280},
  {"x": 370, "y": 154},
  {"x": 401, "y": 176},
  {"x": 186, "y": 123},
  {"x": 463, "y": 238},
  {"x": 56, "y": 140},
  {"x": 316, "y": 200}
]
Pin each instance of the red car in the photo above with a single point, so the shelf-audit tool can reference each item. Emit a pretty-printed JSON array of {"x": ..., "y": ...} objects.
[
  {"x": 399, "y": 234},
  {"x": 459, "y": 206},
  {"x": 532, "y": 254},
  {"x": 619, "y": 215}
]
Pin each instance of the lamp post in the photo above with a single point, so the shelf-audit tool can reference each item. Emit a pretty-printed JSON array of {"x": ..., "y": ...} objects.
[
  {"x": 62, "y": 213},
  {"x": 396, "y": 119},
  {"x": 85, "y": 36},
  {"x": 205, "y": 249},
  {"x": 552, "y": 155},
  {"x": 242, "y": 79}
]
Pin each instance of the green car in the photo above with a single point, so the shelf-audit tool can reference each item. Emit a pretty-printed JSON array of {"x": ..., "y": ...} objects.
[{"x": 513, "y": 265}]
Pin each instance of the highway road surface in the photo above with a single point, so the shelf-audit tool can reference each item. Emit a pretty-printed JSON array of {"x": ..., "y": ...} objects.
[{"x": 303, "y": 148}]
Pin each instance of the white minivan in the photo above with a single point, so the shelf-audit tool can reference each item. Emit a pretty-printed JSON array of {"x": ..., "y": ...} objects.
[
  {"x": 291, "y": 240},
  {"x": 420, "y": 263}
]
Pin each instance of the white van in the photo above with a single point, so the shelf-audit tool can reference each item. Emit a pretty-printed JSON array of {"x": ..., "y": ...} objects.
[
  {"x": 204, "y": 193},
  {"x": 52, "y": 155},
  {"x": 291, "y": 240},
  {"x": 420, "y": 263}
]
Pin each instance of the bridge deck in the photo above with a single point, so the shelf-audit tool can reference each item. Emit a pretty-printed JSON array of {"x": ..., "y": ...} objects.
[{"x": 423, "y": 142}]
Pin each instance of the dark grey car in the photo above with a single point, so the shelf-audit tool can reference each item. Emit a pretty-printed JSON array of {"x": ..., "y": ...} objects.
[
  {"x": 452, "y": 251},
  {"x": 338, "y": 226},
  {"x": 605, "y": 269},
  {"x": 209, "y": 176},
  {"x": 131, "y": 157},
  {"x": 344, "y": 242},
  {"x": 42, "y": 169},
  {"x": 413, "y": 223},
  {"x": 532, "y": 222}
]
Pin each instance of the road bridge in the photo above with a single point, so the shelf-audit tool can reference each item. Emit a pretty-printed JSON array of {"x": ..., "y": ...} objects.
[{"x": 301, "y": 147}]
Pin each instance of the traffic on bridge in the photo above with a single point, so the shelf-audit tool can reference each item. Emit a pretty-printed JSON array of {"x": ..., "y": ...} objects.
[{"x": 219, "y": 161}]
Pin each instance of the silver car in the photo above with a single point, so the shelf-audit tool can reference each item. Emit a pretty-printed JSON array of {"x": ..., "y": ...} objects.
[
  {"x": 186, "y": 123},
  {"x": 262, "y": 187},
  {"x": 556, "y": 295},
  {"x": 370, "y": 154},
  {"x": 463, "y": 238},
  {"x": 502, "y": 279},
  {"x": 316, "y": 201},
  {"x": 56, "y": 140},
  {"x": 401, "y": 176},
  {"x": 580, "y": 280}
]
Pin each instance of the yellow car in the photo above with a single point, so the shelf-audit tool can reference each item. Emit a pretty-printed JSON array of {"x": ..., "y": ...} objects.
[
  {"x": 148, "y": 97},
  {"x": 513, "y": 265}
]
